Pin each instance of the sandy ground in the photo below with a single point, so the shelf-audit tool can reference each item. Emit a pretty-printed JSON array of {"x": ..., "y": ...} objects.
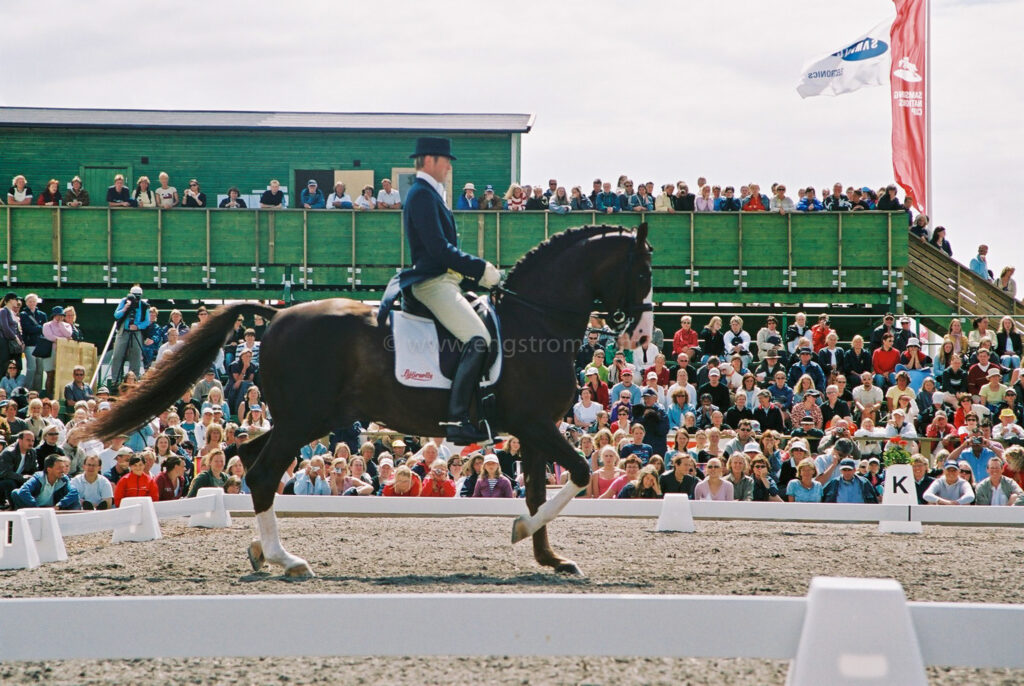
[{"x": 359, "y": 555}]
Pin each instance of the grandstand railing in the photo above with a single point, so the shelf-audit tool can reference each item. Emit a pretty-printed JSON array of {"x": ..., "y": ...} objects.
[{"x": 855, "y": 258}]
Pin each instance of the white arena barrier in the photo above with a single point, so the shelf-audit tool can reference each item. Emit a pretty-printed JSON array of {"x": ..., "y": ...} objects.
[{"x": 895, "y": 641}]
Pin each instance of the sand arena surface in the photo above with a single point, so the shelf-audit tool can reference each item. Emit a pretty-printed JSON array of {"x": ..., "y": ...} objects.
[{"x": 377, "y": 555}]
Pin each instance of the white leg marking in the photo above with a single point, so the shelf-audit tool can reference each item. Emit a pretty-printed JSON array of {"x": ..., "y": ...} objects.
[
  {"x": 551, "y": 508},
  {"x": 273, "y": 551}
]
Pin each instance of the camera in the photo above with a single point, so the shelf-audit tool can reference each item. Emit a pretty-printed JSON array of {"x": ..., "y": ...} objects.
[{"x": 977, "y": 440}]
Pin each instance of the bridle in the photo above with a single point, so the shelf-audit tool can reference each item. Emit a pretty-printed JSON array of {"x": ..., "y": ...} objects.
[{"x": 622, "y": 319}]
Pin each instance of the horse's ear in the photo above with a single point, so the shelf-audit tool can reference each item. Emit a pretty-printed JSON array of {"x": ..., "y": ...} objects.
[{"x": 641, "y": 234}]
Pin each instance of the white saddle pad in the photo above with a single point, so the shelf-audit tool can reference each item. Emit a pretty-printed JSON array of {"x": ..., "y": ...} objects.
[{"x": 416, "y": 354}]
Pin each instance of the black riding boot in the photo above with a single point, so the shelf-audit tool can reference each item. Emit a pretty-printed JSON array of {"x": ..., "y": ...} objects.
[{"x": 467, "y": 380}]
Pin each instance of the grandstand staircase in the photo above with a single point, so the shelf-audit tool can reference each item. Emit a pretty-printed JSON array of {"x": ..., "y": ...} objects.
[{"x": 937, "y": 284}]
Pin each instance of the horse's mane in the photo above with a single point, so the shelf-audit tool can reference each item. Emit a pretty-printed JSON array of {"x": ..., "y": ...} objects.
[{"x": 559, "y": 243}]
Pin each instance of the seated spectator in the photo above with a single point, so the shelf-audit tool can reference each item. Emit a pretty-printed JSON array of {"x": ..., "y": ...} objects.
[
  {"x": 807, "y": 486},
  {"x": 20, "y": 193},
  {"x": 404, "y": 484},
  {"x": 559, "y": 202},
  {"x": 170, "y": 482},
  {"x": 950, "y": 489},
  {"x": 137, "y": 483},
  {"x": 884, "y": 361},
  {"x": 714, "y": 487},
  {"x": 94, "y": 490},
  {"x": 438, "y": 483},
  {"x": 602, "y": 479},
  {"x": 467, "y": 200},
  {"x": 491, "y": 483},
  {"x": 850, "y": 487},
  {"x": 809, "y": 203},
  {"x": 273, "y": 198},
  {"x": 214, "y": 475},
  {"x": 630, "y": 471},
  {"x": 311, "y": 197},
  {"x": 118, "y": 195},
  {"x": 738, "y": 476},
  {"x": 193, "y": 196},
  {"x": 764, "y": 489},
  {"x": 50, "y": 487},
  {"x": 1009, "y": 343},
  {"x": 233, "y": 201},
  {"x": 979, "y": 372},
  {"x": 490, "y": 201},
  {"x": 342, "y": 482},
  {"x": 313, "y": 480},
  {"x": 997, "y": 489},
  {"x": 76, "y": 196},
  {"x": 646, "y": 485},
  {"x": 51, "y": 196},
  {"x": 388, "y": 198},
  {"x": 339, "y": 199},
  {"x": 366, "y": 201}
]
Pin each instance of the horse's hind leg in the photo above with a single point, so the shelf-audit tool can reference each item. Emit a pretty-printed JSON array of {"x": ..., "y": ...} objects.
[{"x": 263, "y": 478}]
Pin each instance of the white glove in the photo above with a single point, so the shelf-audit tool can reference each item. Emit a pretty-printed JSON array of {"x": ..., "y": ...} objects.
[{"x": 491, "y": 276}]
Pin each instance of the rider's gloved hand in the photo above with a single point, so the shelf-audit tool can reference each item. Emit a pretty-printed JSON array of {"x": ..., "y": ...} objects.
[{"x": 491, "y": 277}]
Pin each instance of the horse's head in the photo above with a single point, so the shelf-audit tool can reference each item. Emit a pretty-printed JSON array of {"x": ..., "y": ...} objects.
[{"x": 625, "y": 291}]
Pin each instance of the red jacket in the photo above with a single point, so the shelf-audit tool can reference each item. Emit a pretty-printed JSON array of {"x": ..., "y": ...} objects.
[
  {"x": 430, "y": 490},
  {"x": 600, "y": 394},
  {"x": 131, "y": 486},
  {"x": 165, "y": 487},
  {"x": 683, "y": 341},
  {"x": 819, "y": 332},
  {"x": 885, "y": 361}
]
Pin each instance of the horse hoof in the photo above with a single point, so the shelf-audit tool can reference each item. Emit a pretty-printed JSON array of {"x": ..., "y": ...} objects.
[
  {"x": 256, "y": 558},
  {"x": 299, "y": 570},
  {"x": 519, "y": 529},
  {"x": 569, "y": 568}
]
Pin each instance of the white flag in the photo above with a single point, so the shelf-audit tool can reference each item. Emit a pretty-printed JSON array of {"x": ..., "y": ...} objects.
[{"x": 865, "y": 62}]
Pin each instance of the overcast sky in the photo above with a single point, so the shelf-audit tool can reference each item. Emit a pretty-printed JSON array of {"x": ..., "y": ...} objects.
[{"x": 660, "y": 91}]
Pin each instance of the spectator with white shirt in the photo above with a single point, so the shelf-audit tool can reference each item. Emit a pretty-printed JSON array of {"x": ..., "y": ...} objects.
[
  {"x": 94, "y": 490},
  {"x": 951, "y": 489},
  {"x": 339, "y": 199},
  {"x": 388, "y": 198}
]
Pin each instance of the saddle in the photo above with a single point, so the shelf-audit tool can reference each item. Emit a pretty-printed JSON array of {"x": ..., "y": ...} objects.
[{"x": 426, "y": 353}]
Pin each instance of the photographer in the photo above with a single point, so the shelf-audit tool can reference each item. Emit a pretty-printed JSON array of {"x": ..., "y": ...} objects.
[{"x": 132, "y": 317}]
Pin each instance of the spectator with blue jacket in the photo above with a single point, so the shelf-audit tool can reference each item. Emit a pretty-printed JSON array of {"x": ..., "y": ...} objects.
[
  {"x": 312, "y": 198},
  {"x": 468, "y": 201},
  {"x": 729, "y": 203},
  {"x": 48, "y": 488},
  {"x": 313, "y": 479},
  {"x": 641, "y": 201},
  {"x": 809, "y": 203},
  {"x": 132, "y": 317},
  {"x": 606, "y": 201}
]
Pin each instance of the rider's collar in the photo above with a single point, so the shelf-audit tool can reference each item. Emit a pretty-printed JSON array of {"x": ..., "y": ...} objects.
[{"x": 439, "y": 187}]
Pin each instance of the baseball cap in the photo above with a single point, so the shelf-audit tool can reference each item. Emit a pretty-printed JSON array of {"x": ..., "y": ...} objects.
[
  {"x": 652, "y": 375},
  {"x": 590, "y": 370},
  {"x": 125, "y": 451},
  {"x": 386, "y": 460},
  {"x": 57, "y": 311},
  {"x": 491, "y": 459},
  {"x": 847, "y": 464},
  {"x": 207, "y": 410},
  {"x": 714, "y": 372},
  {"x": 875, "y": 460},
  {"x": 751, "y": 448},
  {"x": 398, "y": 443},
  {"x": 649, "y": 393},
  {"x": 103, "y": 389},
  {"x": 489, "y": 188},
  {"x": 625, "y": 371},
  {"x": 103, "y": 406},
  {"x": 950, "y": 464},
  {"x": 255, "y": 408},
  {"x": 799, "y": 445},
  {"x": 311, "y": 182},
  {"x": 804, "y": 351},
  {"x": 992, "y": 372},
  {"x": 136, "y": 290}
]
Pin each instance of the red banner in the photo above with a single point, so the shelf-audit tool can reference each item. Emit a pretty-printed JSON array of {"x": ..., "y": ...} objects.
[{"x": 909, "y": 118}]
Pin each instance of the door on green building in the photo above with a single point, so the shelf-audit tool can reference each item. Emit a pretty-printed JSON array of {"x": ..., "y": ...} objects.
[
  {"x": 324, "y": 180},
  {"x": 97, "y": 180}
]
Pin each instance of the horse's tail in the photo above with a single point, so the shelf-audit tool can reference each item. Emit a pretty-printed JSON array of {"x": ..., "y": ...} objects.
[{"x": 171, "y": 377}]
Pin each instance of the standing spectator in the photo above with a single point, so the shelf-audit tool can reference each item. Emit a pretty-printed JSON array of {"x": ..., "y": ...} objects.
[
  {"x": 166, "y": 194},
  {"x": 137, "y": 483},
  {"x": 193, "y": 196},
  {"x": 684, "y": 200},
  {"x": 889, "y": 202},
  {"x": 118, "y": 195},
  {"x": 467, "y": 200},
  {"x": 53, "y": 330},
  {"x": 490, "y": 201},
  {"x": 273, "y": 198},
  {"x": 820, "y": 332},
  {"x": 780, "y": 202},
  {"x": 50, "y": 487},
  {"x": 920, "y": 227},
  {"x": 387, "y": 197},
  {"x": 142, "y": 195},
  {"x": 596, "y": 190},
  {"x": 979, "y": 265},
  {"x": 728, "y": 203},
  {"x": 836, "y": 201},
  {"x": 339, "y": 199},
  {"x": 641, "y": 201},
  {"x": 132, "y": 316},
  {"x": 51, "y": 196},
  {"x": 515, "y": 199},
  {"x": 579, "y": 202},
  {"x": 233, "y": 202},
  {"x": 809, "y": 203},
  {"x": 32, "y": 320},
  {"x": 94, "y": 490},
  {"x": 939, "y": 240},
  {"x": 77, "y": 196},
  {"x": 666, "y": 201},
  {"x": 704, "y": 203},
  {"x": 559, "y": 202},
  {"x": 756, "y": 201},
  {"x": 537, "y": 203},
  {"x": 20, "y": 193},
  {"x": 311, "y": 197}
]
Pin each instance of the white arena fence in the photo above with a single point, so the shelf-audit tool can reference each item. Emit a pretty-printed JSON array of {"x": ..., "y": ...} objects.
[
  {"x": 829, "y": 636},
  {"x": 32, "y": 537}
]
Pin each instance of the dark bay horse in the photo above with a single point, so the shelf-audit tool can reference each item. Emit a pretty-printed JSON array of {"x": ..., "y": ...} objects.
[{"x": 333, "y": 351}]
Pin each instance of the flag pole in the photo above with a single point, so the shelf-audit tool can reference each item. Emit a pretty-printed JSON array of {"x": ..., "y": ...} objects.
[{"x": 929, "y": 210}]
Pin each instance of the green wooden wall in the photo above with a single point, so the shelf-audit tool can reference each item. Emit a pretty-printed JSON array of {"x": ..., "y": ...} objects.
[
  {"x": 220, "y": 159},
  {"x": 851, "y": 258}
]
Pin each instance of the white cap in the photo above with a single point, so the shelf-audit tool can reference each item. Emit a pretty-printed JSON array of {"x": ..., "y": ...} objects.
[
  {"x": 652, "y": 375},
  {"x": 103, "y": 406},
  {"x": 913, "y": 342},
  {"x": 590, "y": 370},
  {"x": 799, "y": 445},
  {"x": 136, "y": 290},
  {"x": 491, "y": 458},
  {"x": 751, "y": 448},
  {"x": 714, "y": 372}
]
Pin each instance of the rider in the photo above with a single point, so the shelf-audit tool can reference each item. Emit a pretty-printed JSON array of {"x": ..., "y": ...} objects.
[{"x": 439, "y": 267}]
